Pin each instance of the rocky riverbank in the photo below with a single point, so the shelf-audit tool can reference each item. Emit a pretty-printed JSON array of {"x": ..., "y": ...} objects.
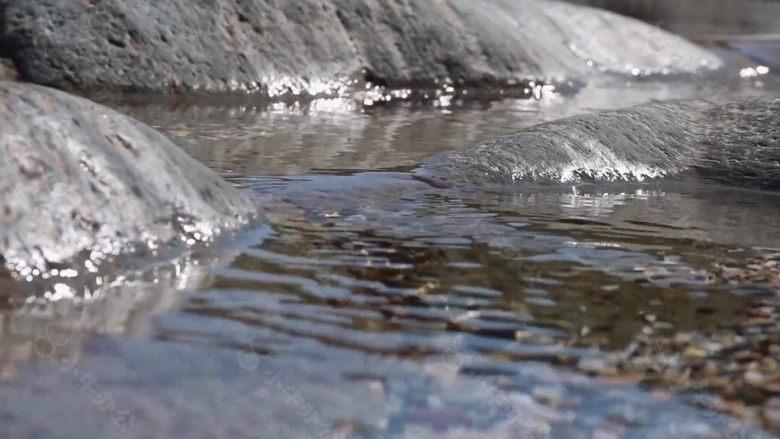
[
  {"x": 327, "y": 48},
  {"x": 88, "y": 192},
  {"x": 84, "y": 182}
]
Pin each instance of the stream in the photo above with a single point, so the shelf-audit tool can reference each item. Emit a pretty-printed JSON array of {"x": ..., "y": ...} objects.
[{"x": 375, "y": 306}]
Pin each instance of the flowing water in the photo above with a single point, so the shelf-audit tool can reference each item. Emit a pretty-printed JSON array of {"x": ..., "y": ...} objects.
[{"x": 377, "y": 306}]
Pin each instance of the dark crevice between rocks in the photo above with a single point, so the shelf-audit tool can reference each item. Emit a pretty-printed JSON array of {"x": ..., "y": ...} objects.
[
  {"x": 371, "y": 78},
  {"x": 10, "y": 48}
]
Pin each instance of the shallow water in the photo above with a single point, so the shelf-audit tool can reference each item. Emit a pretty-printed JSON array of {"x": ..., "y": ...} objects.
[{"x": 376, "y": 306}]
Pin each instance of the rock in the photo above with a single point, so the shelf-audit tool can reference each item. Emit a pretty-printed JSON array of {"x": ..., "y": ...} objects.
[
  {"x": 81, "y": 182},
  {"x": 734, "y": 143},
  {"x": 321, "y": 46},
  {"x": 630, "y": 144},
  {"x": 595, "y": 365},
  {"x": 8, "y": 70},
  {"x": 694, "y": 17},
  {"x": 770, "y": 413}
]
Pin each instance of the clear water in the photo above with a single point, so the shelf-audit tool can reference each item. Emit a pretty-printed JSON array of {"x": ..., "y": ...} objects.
[{"x": 373, "y": 306}]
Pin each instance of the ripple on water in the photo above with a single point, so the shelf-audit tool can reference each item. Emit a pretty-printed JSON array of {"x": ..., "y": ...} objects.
[
  {"x": 540, "y": 286},
  {"x": 438, "y": 315},
  {"x": 399, "y": 310}
]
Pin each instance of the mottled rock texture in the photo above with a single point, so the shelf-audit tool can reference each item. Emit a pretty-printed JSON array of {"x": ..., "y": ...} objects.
[
  {"x": 314, "y": 46},
  {"x": 80, "y": 182},
  {"x": 735, "y": 143}
]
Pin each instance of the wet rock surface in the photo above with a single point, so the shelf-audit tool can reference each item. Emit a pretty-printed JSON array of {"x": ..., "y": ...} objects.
[
  {"x": 82, "y": 184},
  {"x": 734, "y": 143},
  {"x": 634, "y": 144},
  {"x": 321, "y": 47}
]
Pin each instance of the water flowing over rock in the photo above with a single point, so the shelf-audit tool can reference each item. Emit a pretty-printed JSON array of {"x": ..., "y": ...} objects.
[
  {"x": 734, "y": 143},
  {"x": 321, "y": 47},
  {"x": 81, "y": 183}
]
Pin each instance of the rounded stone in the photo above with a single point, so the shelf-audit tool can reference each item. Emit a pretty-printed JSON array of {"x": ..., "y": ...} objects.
[
  {"x": 736, "y": 143},
  {"x": 81, "y": 182},
  {"x": 317, "y": 47}
]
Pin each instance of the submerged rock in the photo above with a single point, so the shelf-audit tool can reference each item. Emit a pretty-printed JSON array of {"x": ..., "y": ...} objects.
[
  {"x": 318, "y": 47},
  {"x": 735, "y": 143},
  {"x": 81, "y": 182}
]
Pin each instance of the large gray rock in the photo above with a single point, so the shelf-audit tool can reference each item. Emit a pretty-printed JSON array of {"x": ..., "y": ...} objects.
[
  {"x": 735, "y": 143},
  {"x": 80, "y": 183},
  {"x": 319, "y": 46}
]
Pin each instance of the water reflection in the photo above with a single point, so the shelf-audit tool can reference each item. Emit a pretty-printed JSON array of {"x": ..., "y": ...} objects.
[{"x": 337, "y": 135}]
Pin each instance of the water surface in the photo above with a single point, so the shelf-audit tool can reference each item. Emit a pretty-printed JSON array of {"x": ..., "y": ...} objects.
[{"x": 376, "y": 306}]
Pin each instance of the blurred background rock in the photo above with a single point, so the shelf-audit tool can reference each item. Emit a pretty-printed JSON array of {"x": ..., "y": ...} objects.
[{"x": 695, "y": 18}]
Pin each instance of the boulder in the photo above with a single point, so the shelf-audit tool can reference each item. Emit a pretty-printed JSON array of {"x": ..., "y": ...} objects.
[
  {"x": 81, "y": 183},
  {"x": 735, "y": 143},
  {"x": 699, "y": 17},
  {"x": 322, "y": 47}
]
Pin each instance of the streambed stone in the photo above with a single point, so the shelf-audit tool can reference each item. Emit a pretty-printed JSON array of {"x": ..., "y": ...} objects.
[{"x": 81, "y": 182}]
